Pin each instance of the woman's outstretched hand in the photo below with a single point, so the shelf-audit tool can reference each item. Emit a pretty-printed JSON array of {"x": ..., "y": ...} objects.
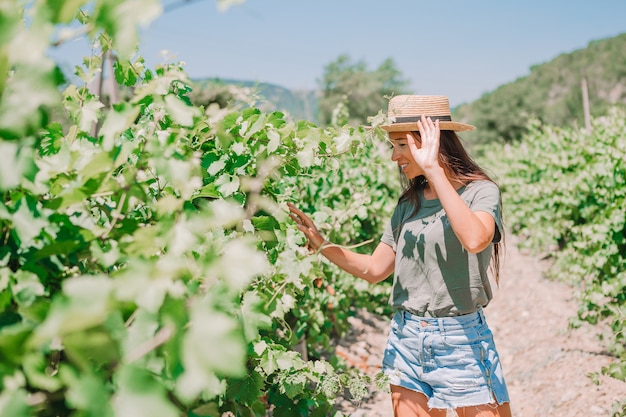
[{"x": 306, "y": 226}]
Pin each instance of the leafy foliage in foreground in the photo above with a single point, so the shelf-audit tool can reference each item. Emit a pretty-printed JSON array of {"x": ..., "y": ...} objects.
[
  {"x": 148, "y": 264},
  {"x": 565, "y": 194}
]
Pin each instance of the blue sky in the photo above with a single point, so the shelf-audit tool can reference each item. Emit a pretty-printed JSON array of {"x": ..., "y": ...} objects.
[{"x": 458, "y": 48}]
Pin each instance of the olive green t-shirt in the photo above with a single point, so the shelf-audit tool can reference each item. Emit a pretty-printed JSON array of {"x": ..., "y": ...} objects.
[{"x": 434, "y": 275}]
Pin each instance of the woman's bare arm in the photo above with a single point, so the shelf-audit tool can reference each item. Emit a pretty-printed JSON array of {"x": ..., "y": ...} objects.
[
  {"x": 474, "y": 229},
  {"x": 372, "y": 268}
]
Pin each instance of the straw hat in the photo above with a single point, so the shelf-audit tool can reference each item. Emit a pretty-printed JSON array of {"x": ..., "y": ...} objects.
[{"x": 405, "y": 110}]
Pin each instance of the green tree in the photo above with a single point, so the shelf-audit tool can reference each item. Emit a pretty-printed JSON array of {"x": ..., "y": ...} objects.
[{"x": 351, "y": 93}]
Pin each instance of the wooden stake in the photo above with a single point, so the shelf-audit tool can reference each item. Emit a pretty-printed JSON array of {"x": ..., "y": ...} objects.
[
  {"x": 586, "y": 106},
  {"x": 114, "y": 91}
]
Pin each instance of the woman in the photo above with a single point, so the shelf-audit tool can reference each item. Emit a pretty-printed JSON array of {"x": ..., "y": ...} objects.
[{"x": 439, "y": 243}]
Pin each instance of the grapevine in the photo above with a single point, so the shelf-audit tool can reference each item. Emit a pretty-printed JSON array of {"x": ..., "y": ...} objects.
[
  {"x": 564, "y": 194},
  {"x": 148, "y": 263}
]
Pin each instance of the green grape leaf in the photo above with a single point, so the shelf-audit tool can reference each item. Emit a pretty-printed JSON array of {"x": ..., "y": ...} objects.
[
  {"x": 89, "y": 393},
  {"x": 122, "y": 19},
  {"x": 125, "y": 72},
  {"x": 140, "y": 395},
  {"x": 179, "y": 111},
  {"x": 246, "y": 390},
  {"x": 93, "y": 165},
  {"x": 13, "y": 398},
  {"x": 16, "y": 163},
  {"x": 213, "y": 343},
  {"x": 253, "y": 316},
  {"x": 12, "y": 339},
  {"x": 274, "y": 141},
  {"x": 240, "y": 263},
  {"x": 89, "y": 113},
  {"x": 93, "y": 347},
  {"x": 63, "y": 11},
  {"x": 27, "y": 224},
  {"x": 85, "y": 304},
  {"x": 26, "y": 288},
  {"x": 294, "y": 384},
  {"x": 206, "y": 410},
  {"x": 208, "y": 191},
  {"x": 227, "y": 184},
  {"x": 117, "y": 121}
]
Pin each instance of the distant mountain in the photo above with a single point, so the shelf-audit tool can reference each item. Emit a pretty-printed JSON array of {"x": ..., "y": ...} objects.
[
  {"x": 551, "y": 92},
  {"x": 298, "y": 104}
]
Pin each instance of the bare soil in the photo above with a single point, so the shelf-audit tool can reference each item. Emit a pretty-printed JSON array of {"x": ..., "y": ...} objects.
[{"x": 550, "y": 369}]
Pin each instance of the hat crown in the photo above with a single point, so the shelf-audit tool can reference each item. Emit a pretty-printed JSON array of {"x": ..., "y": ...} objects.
[
  {"x": 404, "y": 113},
  {"x": 416, "y": 105}
]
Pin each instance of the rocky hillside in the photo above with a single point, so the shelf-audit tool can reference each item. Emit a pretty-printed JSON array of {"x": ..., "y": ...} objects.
[
  {"x": 552, "y": 92},
  {"x": 300, "y": 104}
]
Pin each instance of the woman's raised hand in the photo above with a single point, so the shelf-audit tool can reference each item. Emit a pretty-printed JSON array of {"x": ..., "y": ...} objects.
[
  {"x": 306, "y": 226},
  {"x": 427, "y": 156}
]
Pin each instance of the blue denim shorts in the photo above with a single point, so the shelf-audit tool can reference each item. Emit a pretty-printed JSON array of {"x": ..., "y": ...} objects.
[{"x": 452, "y": 360}]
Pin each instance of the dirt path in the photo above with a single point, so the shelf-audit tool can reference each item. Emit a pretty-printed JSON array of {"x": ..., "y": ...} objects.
[{"x": 545, "y": 364}]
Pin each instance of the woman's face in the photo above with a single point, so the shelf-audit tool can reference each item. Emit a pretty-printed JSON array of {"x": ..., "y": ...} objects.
[{"x": 402, "y": 153}]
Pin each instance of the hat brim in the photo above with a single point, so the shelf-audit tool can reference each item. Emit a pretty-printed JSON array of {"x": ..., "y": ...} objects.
[{"x": 411, "y": 127}]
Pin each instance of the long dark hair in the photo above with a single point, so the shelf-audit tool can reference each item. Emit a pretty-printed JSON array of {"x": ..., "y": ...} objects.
[{"x": 460, "y": 166}]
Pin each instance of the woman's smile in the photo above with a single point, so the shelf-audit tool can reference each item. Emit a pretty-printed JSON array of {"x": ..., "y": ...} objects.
[{"x": 401, "y": 153}]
